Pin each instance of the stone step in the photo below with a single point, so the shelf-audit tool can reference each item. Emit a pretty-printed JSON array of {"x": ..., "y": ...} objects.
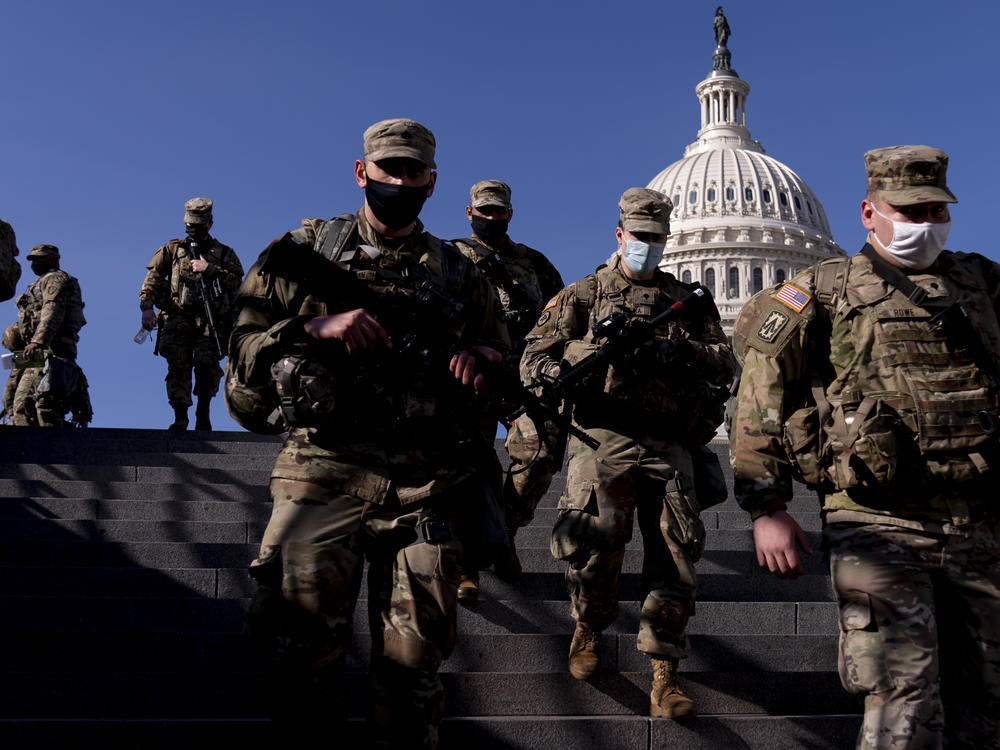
[
  {"x": 60, "y": 614},
  {"x": 831, "y": 732},
  {"x": 234, "y": 583},
  {"x": 512, "y": 653},
  {"x": 253, "y": 474},
  {"x": 78, "y": 551},
  {"x": 68, "y": 695},
  {"x": 83, "y": 508},
  {"x": 116, "y": 490}
]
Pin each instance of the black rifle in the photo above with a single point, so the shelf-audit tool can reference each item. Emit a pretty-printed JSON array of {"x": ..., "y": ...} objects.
[
  {"x": 207, "y": 295},
  {"x": 621, "y": 336}
]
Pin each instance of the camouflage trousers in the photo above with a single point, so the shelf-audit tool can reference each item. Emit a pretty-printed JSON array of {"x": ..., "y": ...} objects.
[
  {"x": 920, "y": 633},
  {"x": 532, "y": 467},
  {"x": 28, "y": 408},
  {"x": 309, "y": 576},
  {"x": 604, "y": 490},
  {"x": 186, "y": 344}
]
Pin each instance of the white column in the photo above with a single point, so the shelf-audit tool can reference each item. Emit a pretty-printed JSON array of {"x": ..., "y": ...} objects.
[{"x": 732, "y": 106}]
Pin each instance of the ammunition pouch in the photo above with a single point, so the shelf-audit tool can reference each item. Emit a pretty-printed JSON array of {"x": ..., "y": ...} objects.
[
  {"x": 305, "y": 391},
  {"x": 870, "y": 444}
]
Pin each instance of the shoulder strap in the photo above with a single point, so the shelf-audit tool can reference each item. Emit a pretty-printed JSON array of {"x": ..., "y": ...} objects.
[
  {"x": 894, "y": 277},
  {"x": 831, "y": 279},
  {"x": 586, "y": 291},
  {"x": 337, "y": 241}
]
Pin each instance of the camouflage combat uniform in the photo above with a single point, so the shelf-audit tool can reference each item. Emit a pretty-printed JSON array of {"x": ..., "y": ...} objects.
[
  {"x": 50, "y": 314},
  {"x": 910, "y": 520},
  {"x": 383, "y": 480},
  {"x": 534, "y": 280},
  {"x": 10, "y": 269},
  {"x": 646, "y": 421},
  {"x": 184, "y": 339}
]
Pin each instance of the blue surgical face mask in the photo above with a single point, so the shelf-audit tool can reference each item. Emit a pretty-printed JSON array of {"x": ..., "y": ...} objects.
[{"x": 643, "y": 257}]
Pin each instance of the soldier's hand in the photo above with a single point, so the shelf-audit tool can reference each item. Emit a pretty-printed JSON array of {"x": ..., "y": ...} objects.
[
  {"x": 775, "y": 537},
  {"x": 463, "y": 367},
  {"x": 149, "y": 319},
  {"x": 31, "y": 349},
  {"x": 198, "y": 265},
  {"x": 359, "y": 331}
]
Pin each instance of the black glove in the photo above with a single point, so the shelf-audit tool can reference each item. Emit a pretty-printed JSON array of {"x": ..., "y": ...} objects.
[{"x": 650, "y": 356}]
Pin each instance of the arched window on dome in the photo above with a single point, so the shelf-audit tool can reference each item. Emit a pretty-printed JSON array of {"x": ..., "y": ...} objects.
[
  {"x": 748, "y": 193},
  {"x": 686, "y": 277},
  {"x": 734, "y": 282},
  {"x": 693, "y": 196},
  {"x": 810, "y": 207},
  {"x": 710, "y": 280},
  {"x": 795, "y": 200},
  {"x": 677, "y": 200},
  {"x": 766, "y": 195},
  {"x": 779, "y": 275},
  {"x": 758, "y": 280},
  {"x": 782, "y": 198},
  {"x": 710, "y": 195},
  {"x": 730, "y": 194}
]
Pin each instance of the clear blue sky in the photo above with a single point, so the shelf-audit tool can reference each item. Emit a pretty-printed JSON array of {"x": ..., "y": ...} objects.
[{"x": 116, "y": 112}]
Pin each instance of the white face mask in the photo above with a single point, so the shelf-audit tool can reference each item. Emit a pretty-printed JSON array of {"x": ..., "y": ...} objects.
[
  {"x": 643, "y": 257},
  {"x": 915, "y": 246}
]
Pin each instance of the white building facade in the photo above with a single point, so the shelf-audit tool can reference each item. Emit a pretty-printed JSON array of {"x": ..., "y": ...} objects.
[{"x": 742, "y": 220}]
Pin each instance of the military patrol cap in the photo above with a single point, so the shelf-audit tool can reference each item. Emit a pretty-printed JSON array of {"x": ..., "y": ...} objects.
[
  {"x": 645, "y": 210},
  {"x": 43, "y": 251},
  {"x": 490, "y": 193},
  {"x": 198, "y": 211},
  {"x": 399, "y": 138},
  {"x": 904, "y": 175}
]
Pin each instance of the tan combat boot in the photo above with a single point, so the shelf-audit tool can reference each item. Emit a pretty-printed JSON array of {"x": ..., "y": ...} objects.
[
  {"x": 468, "y": 586},
  {"x": 583, "y": 652},
  {"x": 666, "y": 699}
]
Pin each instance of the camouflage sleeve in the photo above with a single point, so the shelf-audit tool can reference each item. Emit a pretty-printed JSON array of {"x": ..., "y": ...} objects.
[
  {"x": 157, "y": 271},
  {"x": 55, "y": 295},
  {"x": 713, "y": 356},
  {"x": 268, "y": 323},
  {"x": 229, "y": 270},
  {"x": 559, "y": 324},
  {"x": 771, "y": 387}
]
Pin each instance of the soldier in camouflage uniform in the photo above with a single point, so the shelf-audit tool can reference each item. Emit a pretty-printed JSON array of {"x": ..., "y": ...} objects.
[
  {"x": 185, "y": 339},
  {"x": 365, "y": 324},
  {"x": 650, "y": 415},
  {"x": 10, "y": 269},
  {"x": 874, "y": 379},
  {"x": 523, "y": 279},
  {"x": 49, "y": 319}
]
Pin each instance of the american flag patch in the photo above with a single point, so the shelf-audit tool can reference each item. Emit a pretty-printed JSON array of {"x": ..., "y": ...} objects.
[{"x": 794, "y": 297}]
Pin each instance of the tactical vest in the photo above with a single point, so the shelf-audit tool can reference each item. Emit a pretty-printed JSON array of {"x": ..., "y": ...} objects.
[
  {"x": 678, "y": 407},
  {"x": 919, "y": 399},
  {"x": 183, "y": 295},
  {"x": 30, "y": 304},
  {"x": 386, "y": 396}
]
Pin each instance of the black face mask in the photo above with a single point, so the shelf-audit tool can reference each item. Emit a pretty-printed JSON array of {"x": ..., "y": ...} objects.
[
  {"x": 490, "y": 231},
  {"x": 196, "y": 232},
  {"x": 396, "y": 206},
  {"x": 40, "y": 267}
]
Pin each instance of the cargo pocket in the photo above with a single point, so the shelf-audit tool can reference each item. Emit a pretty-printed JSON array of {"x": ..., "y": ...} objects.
[
  {"x": 801, "y": 439},
  {"x": 871, "y": 442},
  {"x": 862, "y": 663},
  {"x": 682, "y": 521},
  {"x": 575, "y": 536}
]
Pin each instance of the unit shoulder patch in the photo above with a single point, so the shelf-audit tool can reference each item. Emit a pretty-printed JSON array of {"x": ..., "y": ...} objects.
[
  {"x": 793, "y": 297},
  {"x": 774, "y": 323}
]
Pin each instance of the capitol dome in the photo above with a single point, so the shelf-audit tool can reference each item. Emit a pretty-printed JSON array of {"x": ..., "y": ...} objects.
[{"x": 742, "y": 220}]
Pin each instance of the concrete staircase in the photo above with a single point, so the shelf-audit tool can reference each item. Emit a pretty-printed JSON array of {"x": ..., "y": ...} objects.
[{"x": 123, "y": 591}]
